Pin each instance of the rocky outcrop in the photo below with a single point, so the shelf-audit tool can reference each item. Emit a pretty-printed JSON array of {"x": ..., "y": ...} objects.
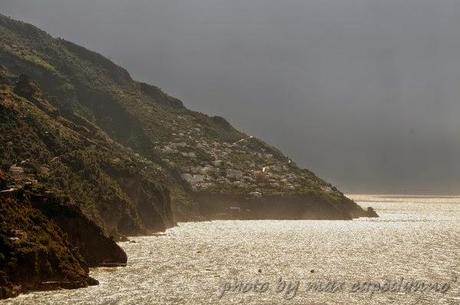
[
  {"x": 370, "y": 212},
  {"x": 83, "y": 234},
  {"x": 46, "y": 242}
]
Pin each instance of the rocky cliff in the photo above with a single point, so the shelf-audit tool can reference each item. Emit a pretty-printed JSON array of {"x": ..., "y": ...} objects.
[{"x": 46, "y": 242}]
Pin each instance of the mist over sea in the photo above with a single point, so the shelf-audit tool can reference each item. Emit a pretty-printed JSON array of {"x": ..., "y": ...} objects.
[{"x": 416, "y": 240}]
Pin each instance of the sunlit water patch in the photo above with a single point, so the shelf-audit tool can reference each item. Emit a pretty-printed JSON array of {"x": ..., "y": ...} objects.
[{"x": 415, "y": 239}]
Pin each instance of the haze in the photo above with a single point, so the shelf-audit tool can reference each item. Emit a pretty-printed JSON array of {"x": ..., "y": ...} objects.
[{"x": 365, "y": 93}]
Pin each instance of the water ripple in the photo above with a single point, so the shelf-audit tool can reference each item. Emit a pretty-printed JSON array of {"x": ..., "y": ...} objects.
[{"x": 416, "y": 237}]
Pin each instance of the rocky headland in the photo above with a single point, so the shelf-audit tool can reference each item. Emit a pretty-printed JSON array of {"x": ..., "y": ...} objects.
[{"x": 90, "y": 156}]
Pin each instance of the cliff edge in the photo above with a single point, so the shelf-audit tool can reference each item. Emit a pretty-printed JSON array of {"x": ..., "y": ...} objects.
[{"x": 46, "y": 242}]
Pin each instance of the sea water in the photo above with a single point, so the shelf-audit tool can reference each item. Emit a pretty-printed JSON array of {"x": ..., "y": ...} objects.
[{"x": 410, "y": 255}]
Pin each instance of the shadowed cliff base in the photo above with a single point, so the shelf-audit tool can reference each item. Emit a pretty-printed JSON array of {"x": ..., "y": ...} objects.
[
  {"x": 47, "y": 243},
  {"x": 279, "y": 207}
]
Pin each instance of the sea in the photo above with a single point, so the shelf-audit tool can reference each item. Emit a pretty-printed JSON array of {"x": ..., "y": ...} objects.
[{"x": 409, "y": 255}]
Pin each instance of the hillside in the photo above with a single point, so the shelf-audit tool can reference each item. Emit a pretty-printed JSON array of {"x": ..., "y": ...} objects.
[
  {"x": 118, "y": 190},
  {"x": 205, "y": 163},
  {"x": 89, "y": 156},
  {"x": 68, "y": 187}
]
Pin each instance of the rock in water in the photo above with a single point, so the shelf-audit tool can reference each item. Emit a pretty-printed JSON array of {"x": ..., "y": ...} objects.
[{"x": 371, "y": 212}]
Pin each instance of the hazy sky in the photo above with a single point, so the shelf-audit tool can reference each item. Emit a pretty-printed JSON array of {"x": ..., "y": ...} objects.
[{"x": 366, "y": 93}]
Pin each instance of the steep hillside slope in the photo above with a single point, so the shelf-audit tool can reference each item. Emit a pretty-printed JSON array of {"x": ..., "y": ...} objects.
[
  {"x": 118, "y": 190},
  {"x": 209, "y": 166}
]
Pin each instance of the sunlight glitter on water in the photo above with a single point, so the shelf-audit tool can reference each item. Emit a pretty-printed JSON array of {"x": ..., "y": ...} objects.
[{"x": 416, "y": 238}]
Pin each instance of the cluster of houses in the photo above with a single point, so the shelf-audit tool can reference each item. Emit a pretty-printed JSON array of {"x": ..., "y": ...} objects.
[{"x": 211, "y": 164}]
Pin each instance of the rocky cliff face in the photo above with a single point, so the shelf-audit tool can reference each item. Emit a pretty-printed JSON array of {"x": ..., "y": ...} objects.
[
  {"x": 46, "y": 242},
  {"x": 200, "y": 156},
  {"x": 83, "y": 234}
]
